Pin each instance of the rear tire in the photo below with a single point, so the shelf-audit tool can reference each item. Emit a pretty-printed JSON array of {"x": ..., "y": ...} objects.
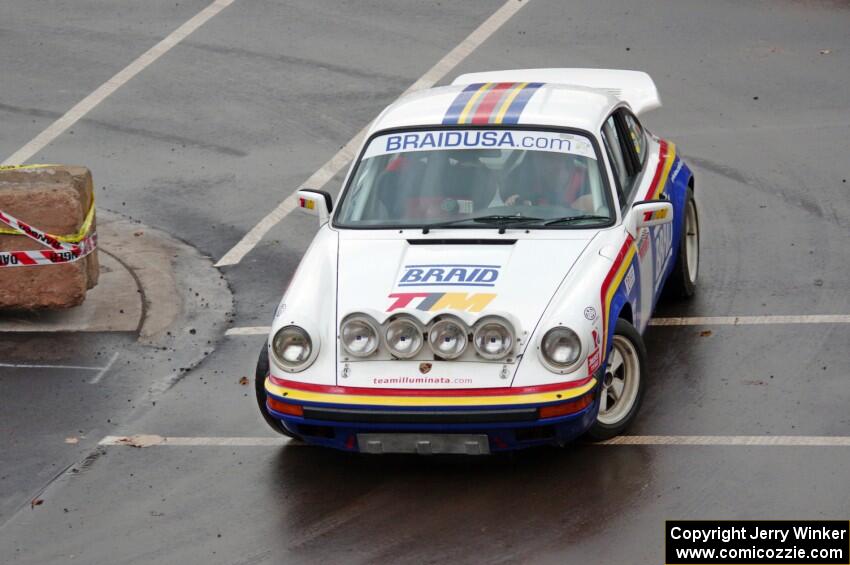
[
  {"x": 260, "y": 389},
  {"x": 623, "y": 383},
  {"x": 683, "y": 279}
]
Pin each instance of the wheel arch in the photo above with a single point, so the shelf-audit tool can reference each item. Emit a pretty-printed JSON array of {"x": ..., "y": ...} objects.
[{"x": 621, "y": 308}]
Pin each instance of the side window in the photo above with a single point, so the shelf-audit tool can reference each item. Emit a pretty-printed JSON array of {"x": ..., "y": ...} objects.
[
  {"x": 636, "y": 135},
  {"x": 614, "y": 146}
]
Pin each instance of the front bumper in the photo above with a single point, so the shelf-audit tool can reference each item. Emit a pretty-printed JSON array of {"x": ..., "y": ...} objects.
[{"x": 336, "y": 416}]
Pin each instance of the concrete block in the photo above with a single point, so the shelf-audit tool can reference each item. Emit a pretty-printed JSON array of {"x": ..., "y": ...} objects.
[{"x": 54, "y": 200}]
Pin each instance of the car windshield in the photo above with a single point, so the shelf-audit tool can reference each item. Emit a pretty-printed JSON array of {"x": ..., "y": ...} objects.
[{"x": 476, "y": 178}]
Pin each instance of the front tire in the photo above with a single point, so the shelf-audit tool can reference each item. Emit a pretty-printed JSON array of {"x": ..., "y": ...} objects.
[
  {"x": 623, "y": 384},
  {"x": 683, "y": 279},
  {"x": 260, "y": 389}
]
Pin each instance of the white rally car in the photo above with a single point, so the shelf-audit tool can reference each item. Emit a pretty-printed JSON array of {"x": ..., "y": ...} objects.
[{"x": 483, "y": 283}]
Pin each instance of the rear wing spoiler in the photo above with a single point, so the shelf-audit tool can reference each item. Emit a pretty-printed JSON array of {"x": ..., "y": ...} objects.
[{"x": 634, "y": 87}]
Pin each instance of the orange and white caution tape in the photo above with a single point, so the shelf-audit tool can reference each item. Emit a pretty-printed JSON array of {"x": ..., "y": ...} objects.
[
  {"x": 58, "y": 251},
  {"x": 62, "y": 248}
]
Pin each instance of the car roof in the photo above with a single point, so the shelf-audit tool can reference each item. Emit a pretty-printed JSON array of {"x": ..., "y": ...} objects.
[{"x": 555, "y": 105}]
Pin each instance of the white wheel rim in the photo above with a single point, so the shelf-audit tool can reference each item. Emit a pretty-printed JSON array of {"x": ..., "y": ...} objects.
[
  {"x": 620, "y": 384},
  {"x": 692, "y": 241}
]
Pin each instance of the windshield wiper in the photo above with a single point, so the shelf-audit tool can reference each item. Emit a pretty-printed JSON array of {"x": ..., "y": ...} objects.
[
  {"x": 497, "y": 219},
  {"x": 570, "y": 219}
]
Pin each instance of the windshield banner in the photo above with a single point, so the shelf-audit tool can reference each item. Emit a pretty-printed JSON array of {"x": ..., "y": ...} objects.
[{"x": 436, "y": 140}]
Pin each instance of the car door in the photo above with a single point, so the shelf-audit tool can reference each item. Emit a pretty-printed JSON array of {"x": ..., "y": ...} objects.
[
  {"x": 627, "y": 147},
  {"x": 660, "y": 238},
  {"x": 625, "y": 178}
]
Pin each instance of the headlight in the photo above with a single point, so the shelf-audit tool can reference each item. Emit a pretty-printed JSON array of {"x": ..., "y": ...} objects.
[
  {"x": 493, "y": 338},
  {"x": 404, "y": 337},
  {"x": 561, "y": 347},
  {"x": 359, "y": 335},
  {"x": 292, "y": 347},
  {"x": 447, "y": 337}
]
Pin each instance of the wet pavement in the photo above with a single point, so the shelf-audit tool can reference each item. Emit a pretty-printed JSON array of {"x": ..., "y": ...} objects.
[{"x": 222, "y": 128}]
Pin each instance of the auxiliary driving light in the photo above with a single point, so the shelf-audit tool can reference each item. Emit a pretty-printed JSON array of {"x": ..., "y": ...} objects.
[
  {"x": 493, "y": 337},
  {"x": 404, "y": 337},
  {"x": 447, "y": 337},
  {"x": 359, "y": 335}
]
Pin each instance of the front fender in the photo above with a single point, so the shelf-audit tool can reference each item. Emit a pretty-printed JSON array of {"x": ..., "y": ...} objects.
[
  {"x": 594, "y": 293},
  {"x": 310, "y": 302}
]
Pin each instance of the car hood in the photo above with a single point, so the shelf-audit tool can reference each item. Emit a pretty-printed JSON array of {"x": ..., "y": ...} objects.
[{"x": 463, "y": 276}]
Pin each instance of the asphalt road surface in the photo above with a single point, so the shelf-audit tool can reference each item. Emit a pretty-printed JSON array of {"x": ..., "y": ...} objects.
[{"x": 204, "y": 141}]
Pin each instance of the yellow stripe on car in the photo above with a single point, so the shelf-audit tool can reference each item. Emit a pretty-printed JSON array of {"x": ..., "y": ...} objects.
[{"x": 483, "y": 400}]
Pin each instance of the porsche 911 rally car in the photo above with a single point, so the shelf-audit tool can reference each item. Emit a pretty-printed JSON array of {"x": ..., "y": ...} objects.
[{"x": 483, "y": 283}]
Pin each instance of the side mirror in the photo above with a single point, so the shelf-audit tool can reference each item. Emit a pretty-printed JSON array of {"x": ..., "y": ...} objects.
[
  {"x": 316, "y": 203},
  {"x": 651, "y": 213}
]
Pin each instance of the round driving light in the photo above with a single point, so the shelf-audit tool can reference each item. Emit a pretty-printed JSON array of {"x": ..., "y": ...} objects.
[
  {"x": 447, "y": 338},
  {"x": 359, "y": 336},
  {"x": 404, "y": 337},
  {"x": 493, "y": 338},
  {"x": 561, "y": 347},
  {"x": 292, "y": 347}
]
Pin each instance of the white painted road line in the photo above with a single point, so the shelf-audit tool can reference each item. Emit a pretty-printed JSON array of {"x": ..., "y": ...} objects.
[
  {"x": 345, "y": 155},
  {"x": 691, "y": 321},
  {"x": 96, "y": 379},
  {"x": 146, "y": 440},
  {"x": 142, "y": 441},
  {"x": 249, "y": 330},
  {"x": 39, "y": 366},
  {"x": 85, "y": 105},
  {"x": 751, "y": 320},
  {"x": 777, "y": 441}
]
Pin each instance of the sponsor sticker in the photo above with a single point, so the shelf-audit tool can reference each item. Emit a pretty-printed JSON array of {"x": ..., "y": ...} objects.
[
  {"x": 630, "y": 279},
  {"x": 678, "y": 168},
  {"x": 281, "y": 308},
  {"x": 594, "y": 360},
  {"x": 449, "y": 275},
  {"x": 433, "y": 301},
  {"x": 418, "y": 381},
  {"x": 663, "y": 250},
  {"x": 643, "y": 242},
  {"x": 439, "y": 140}
]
